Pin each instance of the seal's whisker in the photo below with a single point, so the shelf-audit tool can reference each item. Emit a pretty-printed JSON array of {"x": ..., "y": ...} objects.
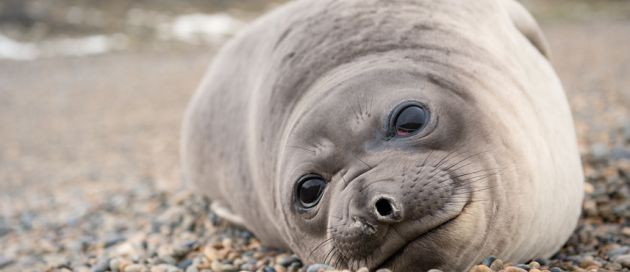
[
  {"x": 426, "y": 158},
  {"x": 466, "y": 180},
  {"x": 359, "y": 102},
  {"x": 335, "y": 260},
  {"x": 423, "y": 164},
  {"x": 468, "y": 201},
  {"x": 477, "y": 190},
  {"x": 472, "y": 173},
  {"x": 340, "y": 259},
  {"x": 458, "y": 178},
  {"x": 469, "y": 157},
  {"x": 469, "y": 180},
  {"x": 320, "y": 245},
  {"x": 303, "y": 148},
  {"x": 444, "y": 158},
  {"x": 328, "y": 255},
  {"x": 336, "y": 226},
  {"x": 354, "y": 111},
  {"x": 463, "y": 160},
  {"x": 354, "y": 263},
  {"x": 371, "y": 103}
]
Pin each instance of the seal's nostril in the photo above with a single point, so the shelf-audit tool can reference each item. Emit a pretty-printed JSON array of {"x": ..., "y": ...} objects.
[{"x": 384, "y": 207}]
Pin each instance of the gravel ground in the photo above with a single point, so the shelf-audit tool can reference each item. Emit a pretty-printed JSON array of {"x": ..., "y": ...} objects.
[{"x": 89, "y": 176}]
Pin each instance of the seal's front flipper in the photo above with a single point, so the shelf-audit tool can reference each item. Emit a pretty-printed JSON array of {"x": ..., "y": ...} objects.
[{"x": 226, "y": 213}]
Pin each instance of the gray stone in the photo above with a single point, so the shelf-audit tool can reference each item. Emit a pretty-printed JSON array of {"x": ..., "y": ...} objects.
[
  {"x": 319, "y": 267},
  {"x": 623, "y": 260}
]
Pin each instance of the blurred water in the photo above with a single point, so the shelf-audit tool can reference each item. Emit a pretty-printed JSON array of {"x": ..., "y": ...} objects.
[
  {"x": 193, "y": 29},
  {"x": 42, "y": 29}
]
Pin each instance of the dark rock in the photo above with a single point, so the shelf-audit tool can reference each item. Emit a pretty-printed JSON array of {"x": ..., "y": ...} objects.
[
  {"x": 287, "y": 261},
  {"x": 488, "y": 261},
  {"x": 113, "y": 239},
  {"x": 523, "y": 266},
  {"x": 183, "y": 249},
  {"x": 184, "y": 264},
  {"x": 5, "y": 262},
  {"x": 101, "y": 266},
  {"x": 26, "y": 220},
  {"x": 541, "y": 261},
  {"x": 619, "y": 153}
]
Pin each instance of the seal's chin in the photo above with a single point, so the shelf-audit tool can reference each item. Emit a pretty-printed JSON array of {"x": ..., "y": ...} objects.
[{"x": 410, "y": 251}]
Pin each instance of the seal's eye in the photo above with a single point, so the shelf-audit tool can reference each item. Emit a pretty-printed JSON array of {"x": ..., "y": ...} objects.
[
  {"x": 310, "y": 190},
  {"x": 410, "y": 120}
]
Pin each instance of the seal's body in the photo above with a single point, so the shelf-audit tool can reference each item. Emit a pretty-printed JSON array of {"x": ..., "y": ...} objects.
[{"x": 408, "y": 134}]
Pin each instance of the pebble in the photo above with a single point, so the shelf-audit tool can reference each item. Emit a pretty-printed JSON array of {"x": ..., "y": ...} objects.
[
  {"x": 114, "y": 265},
  {"x": 613, "y": 266},
  {"x": 617, "y": 251},
  {"x": 184, "y": 264},
  {"x": 497, "y": 265},
  {"x": 4, "y": 230},
  {"x": 165, "y": 268},
  {"x": 319, "y": 267},
  {"x": 183, "y": 249},
  {"x": 136, "y": 268},
  {"x": 599, "y": 152},
  {"x": 101, "y": 266},
  {"x": 514, "y": 269},
  {"x": 287, "y": 261},
  {"x": 543, "y": 261},
  {"x": 113, "y": 240},
  {"x": 534, "y": 264},
  {"x": 480, "y": 268},
  {"x": 623, "y": 260},
  {"x": 620, "y": 154},
  {"x": 523, "y": 266},
  {"x": 4, "y": 262},
  {"x": 590, "y": 262},
  {"x": 488, "y": 261}
]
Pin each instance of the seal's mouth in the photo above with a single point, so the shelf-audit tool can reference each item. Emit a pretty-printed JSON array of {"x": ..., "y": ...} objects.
[{"x": 391, "y": 261}]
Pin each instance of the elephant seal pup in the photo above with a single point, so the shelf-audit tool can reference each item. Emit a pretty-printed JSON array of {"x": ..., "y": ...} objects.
[{"x": 407, "y": 134}]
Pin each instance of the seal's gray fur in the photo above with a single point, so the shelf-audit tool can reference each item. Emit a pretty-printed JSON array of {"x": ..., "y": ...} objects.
[{"x": 308, "y": 88}]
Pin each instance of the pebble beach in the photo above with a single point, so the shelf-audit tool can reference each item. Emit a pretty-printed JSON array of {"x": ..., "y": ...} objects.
[{"x": 89, "y": 175}]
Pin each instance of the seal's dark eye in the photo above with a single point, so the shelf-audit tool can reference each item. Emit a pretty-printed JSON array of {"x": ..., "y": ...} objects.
[
  {"x": 310, "y": 190},
  {"x": 410, "y": 120}
]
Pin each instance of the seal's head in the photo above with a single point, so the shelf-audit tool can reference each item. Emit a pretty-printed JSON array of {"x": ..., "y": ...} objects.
[{"x": 385, "y": 163}]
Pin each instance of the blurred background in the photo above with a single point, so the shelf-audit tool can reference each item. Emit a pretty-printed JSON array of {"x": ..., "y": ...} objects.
[{"x": 92, "y": 94}]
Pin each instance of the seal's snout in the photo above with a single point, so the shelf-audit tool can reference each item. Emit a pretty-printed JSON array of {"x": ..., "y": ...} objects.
[{"x": 387, "y": 210}]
